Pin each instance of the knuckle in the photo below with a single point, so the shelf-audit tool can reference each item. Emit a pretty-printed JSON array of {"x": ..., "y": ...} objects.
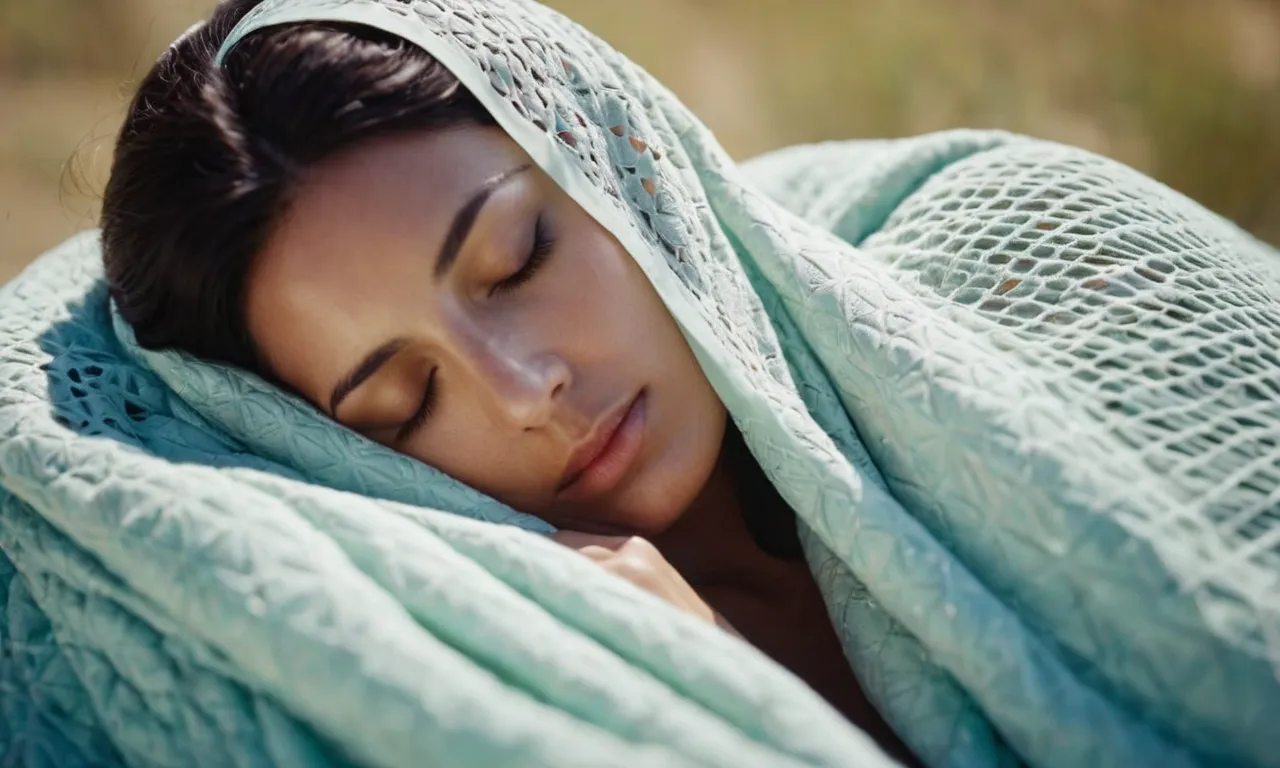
[
  {"x": 638, "y": 572},
  {"x": 632, "y": 569},
  {"x": 638, "y": 547}
]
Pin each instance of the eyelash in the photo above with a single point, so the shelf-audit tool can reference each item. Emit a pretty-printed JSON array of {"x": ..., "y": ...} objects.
[
  {"x": 543, "y": 242},
  {"x": 419, "y": 418}
]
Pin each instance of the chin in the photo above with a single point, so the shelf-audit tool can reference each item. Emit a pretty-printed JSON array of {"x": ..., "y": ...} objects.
[{"x": 668, "y": 490}]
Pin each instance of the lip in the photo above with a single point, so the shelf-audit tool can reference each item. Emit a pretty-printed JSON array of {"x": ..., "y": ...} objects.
[{"x": 603, "y": 458}]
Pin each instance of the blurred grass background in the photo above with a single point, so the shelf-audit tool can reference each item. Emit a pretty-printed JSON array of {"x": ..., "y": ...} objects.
[{"x": 1185, "y": 90}]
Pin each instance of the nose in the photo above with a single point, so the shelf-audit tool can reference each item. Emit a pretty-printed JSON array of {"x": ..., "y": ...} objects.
[{"x": 523, "y": 386}]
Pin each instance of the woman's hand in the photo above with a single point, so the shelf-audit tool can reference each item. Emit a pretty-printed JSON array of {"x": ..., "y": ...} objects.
[{"x": 639, "y": 562}]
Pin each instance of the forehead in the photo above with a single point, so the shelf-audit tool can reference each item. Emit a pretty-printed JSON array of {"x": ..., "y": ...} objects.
[
  {"x": 400, "y": 182},
  {"x": 362, "y": 226}
]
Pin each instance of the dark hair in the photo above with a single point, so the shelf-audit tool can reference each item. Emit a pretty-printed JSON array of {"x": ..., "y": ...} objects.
[{"x": 208, "y": 155}]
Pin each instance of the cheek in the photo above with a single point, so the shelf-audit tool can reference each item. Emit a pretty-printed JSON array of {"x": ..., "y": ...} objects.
[
  {"x": 464, "y": 444},
  {"x": 612, "y": 296},
  {"x": 608, "y": 302}
]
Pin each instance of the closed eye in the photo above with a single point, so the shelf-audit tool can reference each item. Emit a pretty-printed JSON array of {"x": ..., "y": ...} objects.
[
  {"x": 419, "y": 416},
  {"x": 539, "y": 250}
]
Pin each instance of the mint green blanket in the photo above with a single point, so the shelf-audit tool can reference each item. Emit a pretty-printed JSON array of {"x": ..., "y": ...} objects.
[{"x": 1024, "y": 401}]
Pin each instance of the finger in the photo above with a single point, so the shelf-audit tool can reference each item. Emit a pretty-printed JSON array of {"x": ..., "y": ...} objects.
[
  {"x": 601, "y": 555},
  {"x": 578, "y": 540}
]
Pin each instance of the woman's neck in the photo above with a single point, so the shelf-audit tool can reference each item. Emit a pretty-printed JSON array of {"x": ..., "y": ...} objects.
[{"x": 737, "y": 546}]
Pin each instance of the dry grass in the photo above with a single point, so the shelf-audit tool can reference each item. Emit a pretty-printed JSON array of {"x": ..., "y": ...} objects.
[{"x": 1186, "y": 90}]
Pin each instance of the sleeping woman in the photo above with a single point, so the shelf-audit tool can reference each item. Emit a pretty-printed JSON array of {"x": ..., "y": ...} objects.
[
  {"x": 1000, "y": 405},
  {"x": 406, "y": 268}
]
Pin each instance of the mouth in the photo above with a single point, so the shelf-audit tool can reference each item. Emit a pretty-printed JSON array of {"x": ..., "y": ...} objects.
[{"x": 600, "y": 461}]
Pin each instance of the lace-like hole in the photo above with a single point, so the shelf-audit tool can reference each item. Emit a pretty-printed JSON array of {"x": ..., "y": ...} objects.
[{"x": 134, "y": 411}]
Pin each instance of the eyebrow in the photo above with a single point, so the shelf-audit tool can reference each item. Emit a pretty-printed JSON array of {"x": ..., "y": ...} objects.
[
  {"x": 463, "y": 221},
  {"x": 367, "y": 367}
]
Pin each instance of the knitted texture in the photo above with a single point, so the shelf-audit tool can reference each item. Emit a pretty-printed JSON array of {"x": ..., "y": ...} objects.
[{"x": 1024, "y": 401}]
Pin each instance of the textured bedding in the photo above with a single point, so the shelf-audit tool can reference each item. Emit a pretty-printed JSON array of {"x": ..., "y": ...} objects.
[{"x": 1024, "y": 401}]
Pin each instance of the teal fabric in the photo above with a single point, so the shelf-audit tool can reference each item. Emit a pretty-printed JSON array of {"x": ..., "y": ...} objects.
[{"x": 1024, "y": 401}]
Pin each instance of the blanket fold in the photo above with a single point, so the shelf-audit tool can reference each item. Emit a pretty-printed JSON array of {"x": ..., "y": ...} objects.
[{"x": 1024, "y": 401}]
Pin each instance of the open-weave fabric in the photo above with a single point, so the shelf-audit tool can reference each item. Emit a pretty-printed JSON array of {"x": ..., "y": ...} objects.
[{"x": 1024, "y": 401}]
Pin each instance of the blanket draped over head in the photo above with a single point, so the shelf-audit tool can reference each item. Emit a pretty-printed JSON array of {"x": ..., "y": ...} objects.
[{"x": 1024, "y": 401}]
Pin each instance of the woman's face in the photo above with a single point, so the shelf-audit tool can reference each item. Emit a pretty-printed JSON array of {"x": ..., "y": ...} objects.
[{"x": 440, "y": 295}]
